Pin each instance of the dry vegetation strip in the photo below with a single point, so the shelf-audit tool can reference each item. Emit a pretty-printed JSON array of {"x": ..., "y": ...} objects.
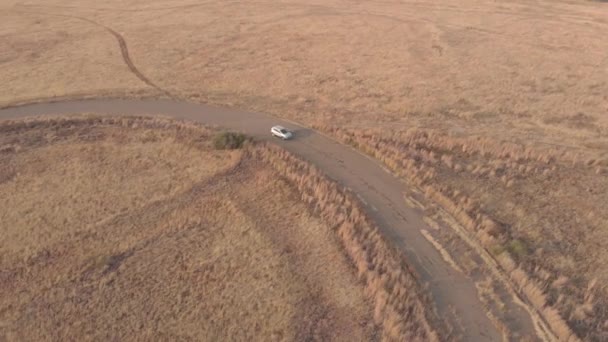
[
  {"x": 541, "y": 213},
  {"x": 401, "y": 307}
]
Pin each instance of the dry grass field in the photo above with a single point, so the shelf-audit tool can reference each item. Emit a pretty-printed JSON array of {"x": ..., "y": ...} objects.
[
  {"x": 538, "y": 69},
  {"x": 138, "y": 229},
  {"x": 542, "y": 214},
  {"x": 496, "y": 110},
  {"x": 531, "y": 71}
]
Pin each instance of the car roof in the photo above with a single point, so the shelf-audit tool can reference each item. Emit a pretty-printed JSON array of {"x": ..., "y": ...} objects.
[{"x": 278, "y": 127}]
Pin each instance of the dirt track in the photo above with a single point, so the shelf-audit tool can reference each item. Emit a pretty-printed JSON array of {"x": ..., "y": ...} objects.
[{"x": 454, "y": 294}]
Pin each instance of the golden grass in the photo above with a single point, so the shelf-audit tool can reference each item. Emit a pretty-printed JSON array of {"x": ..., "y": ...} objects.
[
  {"x": 478, "y": 69},
  {"x": 116, "y": 228},
  {"x": 540, "y": 211},
  {"x": 65, "y": 178},
  {"x": 475, "y": 67},
  {"x": 402, "y": 307}
]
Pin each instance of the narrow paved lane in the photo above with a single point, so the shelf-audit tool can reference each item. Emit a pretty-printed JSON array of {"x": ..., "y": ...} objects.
[{"x": 382, "y": 194}]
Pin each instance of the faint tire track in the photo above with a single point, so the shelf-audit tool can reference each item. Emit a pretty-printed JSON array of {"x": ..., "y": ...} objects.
[{"x": 124, "y": 49}]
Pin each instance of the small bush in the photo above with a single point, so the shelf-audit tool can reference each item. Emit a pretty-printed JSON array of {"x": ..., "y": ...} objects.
[
  {"x": 229, "y": 140},
  {"x": 518, "y": 248}
]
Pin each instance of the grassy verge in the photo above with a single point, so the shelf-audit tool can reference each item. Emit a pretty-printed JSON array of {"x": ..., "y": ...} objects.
[
  {"x": 537, "y": 212},
  {"x": 401, "y": 307}
]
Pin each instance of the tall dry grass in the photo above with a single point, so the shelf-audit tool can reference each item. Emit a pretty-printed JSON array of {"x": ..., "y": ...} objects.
[
  {"x": 401, "y": 306},
  {"x": 140, "y": 229},
  {"x": 511, "y": 198}
]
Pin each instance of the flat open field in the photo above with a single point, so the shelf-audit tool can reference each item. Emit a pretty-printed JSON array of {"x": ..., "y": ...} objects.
[
  {"x": 498, "y": 111},
  {"x": 112, "y": 232},
  {"x": 532, "y": 71}
]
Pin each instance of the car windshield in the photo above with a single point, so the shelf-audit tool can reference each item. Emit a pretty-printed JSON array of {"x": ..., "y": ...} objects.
[{"x": 283, "y": 130}]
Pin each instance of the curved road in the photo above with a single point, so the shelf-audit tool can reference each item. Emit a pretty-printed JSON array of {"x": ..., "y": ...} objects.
[{"x": 382, "y": 194}]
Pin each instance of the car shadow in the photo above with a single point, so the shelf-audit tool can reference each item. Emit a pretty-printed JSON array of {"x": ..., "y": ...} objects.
[{"x": 302, "y": 133}]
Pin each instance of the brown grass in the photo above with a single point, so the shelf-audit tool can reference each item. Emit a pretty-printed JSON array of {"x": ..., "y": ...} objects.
[
  {"x": 401, "y": 306},
  {"x": 472, "y": 68},
  {"x": 541, "y": 211},
  {"x": 135, "y": 228},
  {"x": 476, "y": 69}
]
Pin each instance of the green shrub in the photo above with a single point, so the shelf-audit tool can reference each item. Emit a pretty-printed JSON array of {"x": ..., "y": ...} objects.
[
  {"x": 517, "y": 248},
  {"x": 229, "y": 140}
]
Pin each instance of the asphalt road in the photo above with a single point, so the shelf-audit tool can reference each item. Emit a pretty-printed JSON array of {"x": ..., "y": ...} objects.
[{"x": 381, "y": 193}]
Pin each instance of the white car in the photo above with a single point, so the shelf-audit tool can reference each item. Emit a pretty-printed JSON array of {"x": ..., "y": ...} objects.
[{"x": 281, "y": 132}]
